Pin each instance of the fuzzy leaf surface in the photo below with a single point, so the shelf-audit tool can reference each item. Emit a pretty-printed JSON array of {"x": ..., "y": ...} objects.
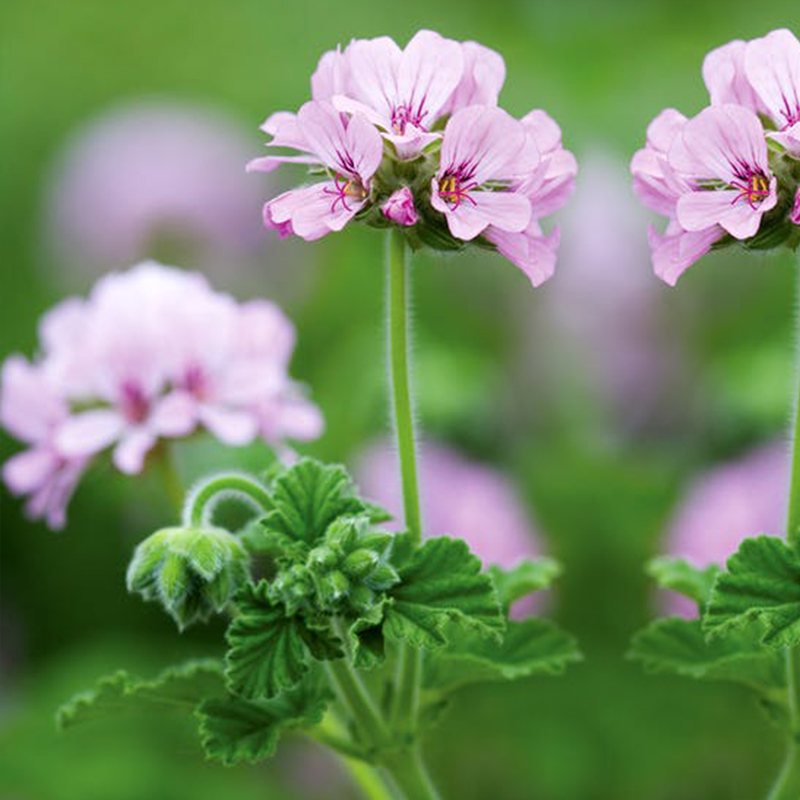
[
  {"x": 442, "y": 582},
  {"x": 678, "y": 575},
  {"x": 307, "y": 497},
  {"x": 528, "y": 576},
  {"x": 761, "y": 585},
  {"x": 182, "y": 686},
  {"x": 268, "y": 650},
  {"x": 235, "y": 730},
  {"x": 678, "y": 646},
  {"x": 529, "y": 647}
]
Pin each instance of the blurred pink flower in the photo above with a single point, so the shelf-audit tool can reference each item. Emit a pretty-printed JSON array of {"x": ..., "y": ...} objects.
[
  {"x": 727, "y": 504},
  {"x": 152, "y": 353},
  {"x": 31, "y": 409},
  {"x": 148, "y": 172},
  {"x": 351, "y": 149},
  {"x": 460, "y": 498},
  {"x": 400, "y": 208}
]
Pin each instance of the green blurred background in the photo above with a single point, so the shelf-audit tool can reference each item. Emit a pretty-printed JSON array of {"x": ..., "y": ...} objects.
[{"x": 495, "y": 379}]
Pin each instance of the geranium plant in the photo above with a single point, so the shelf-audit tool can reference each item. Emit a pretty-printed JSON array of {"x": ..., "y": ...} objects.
[
  {"x": 731, "y": 175},
  {"x": 337, "y": 627}
]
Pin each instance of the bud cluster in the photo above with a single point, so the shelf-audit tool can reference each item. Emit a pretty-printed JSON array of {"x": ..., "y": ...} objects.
[{"x": 342, "y": 574}]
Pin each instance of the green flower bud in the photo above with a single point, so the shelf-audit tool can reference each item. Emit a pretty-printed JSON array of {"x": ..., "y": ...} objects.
[
  {"x": 192, "y": 572},
  {"x": 383, "y": 577},
  {"x": 359, "y": 563},
  {"x": 333, "y": 587},
  {"x": 342, "y": 534},
  {"x": 322, "y": 557},
  {"x": 293, "y": 587}
]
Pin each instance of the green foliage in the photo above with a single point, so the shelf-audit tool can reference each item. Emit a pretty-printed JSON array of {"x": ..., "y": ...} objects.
[
  {"x": 530, "y": 647},
  {"x": 678, "y": 646},
  {"x": 761, "y": 584},
  {"x": 192, "y": 572},
  {"x": 442, "y": 582},
  {"x": 307, "y": 498},
  {"x": 678, "y": 575},
  {"x": 176, "y": 687},
  {"x": 234, "y": 730},
  {"x": 529, "y": 575},
  {"x": 268, "y": 649}
]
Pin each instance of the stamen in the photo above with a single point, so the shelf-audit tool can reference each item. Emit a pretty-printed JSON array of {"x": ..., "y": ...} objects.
[
  {"x": 756, "y": 188},
  {"x": 453, "y": 189},
  {"x": 344, "y": 188}
]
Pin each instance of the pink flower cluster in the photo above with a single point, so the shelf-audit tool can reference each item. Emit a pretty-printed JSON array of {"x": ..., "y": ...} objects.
[
  {"x": 466, "y": 166},
  {"x": 719, "y": 173},
  {"x": 460, "y": 498},
  {"x": 152, "y": 353},
  {"x": 741, "y": 498}
]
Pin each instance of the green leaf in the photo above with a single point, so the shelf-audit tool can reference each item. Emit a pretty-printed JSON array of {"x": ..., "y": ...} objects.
[
  {"x": 677, "y": 646},
  {"x": 270, "y": 651},
  {"x": 182, "y": 686},
  {"x": 442, "y": 582},
  {"x": 762, "y": 583},
  {"x": 678, "y": 575},
  {"x": 529, "y": 575},
  {"x": 307, "y": 497},
  {"x": 233, "y": 729},
  {"x": 530, "y": 647},
  {"x": 366, "y": 638}
]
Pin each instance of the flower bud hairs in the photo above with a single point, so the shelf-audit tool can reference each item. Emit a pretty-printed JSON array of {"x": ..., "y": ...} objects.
[
  {"x": 730, "y": 175},
  {"x": 334, "y": 622}
]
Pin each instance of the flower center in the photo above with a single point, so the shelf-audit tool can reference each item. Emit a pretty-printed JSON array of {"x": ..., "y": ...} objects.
[
  {"x": 403, "y": 115},
  {"x": 753, "y": 188},
  {"x": 452, "y": 189},
  {"x": 344, "y": 188},
  {"x": 194, "y": 382},
  {"x": 134, "y": 403}
]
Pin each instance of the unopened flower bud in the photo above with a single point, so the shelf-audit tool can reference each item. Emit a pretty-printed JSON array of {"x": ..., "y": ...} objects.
[
  {"x": 360, "y": 563},
  {"x": 192, "y": 572},
  {"x": 400, "y": 208},
  {"x": 383, "y": 577},
  {"x": 335, "y": 586}
]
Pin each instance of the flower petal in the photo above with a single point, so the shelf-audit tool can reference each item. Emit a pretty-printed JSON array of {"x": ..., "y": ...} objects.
[{"x": 89, "y": 432}]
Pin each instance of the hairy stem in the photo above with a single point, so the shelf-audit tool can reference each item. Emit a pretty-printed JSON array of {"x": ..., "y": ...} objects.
[
  {"x": 788, "y": 784},
  {"x": 406, "y": 699},
  {"x": 355, "y": 697},
  {"x": 204, "y": 498},
  {"x": 410, "y": 775}
]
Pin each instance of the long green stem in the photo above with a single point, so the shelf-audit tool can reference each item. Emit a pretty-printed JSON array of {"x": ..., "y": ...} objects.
[
  {"x": 397, "y": 266},
  {"x": 410, "y": 775},
  {"x": 356, "y": 698},
  {"x": 788, "y": 785},
  {"x": 406, "y": 699}
]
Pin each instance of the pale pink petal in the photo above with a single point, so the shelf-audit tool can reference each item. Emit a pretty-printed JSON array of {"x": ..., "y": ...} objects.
[
  {"x": 374, "y": 65},
  {"x": 173, "y": 415},
  {"x": 331, "y": 76},
  {"x": 508, "y": 211},
  {"x": 284, "y": 127},
  {"x": 483, "y": 76},
  {"x": 772, "y": 65},
  {"x": 531, "y": 251},
  {"x": 725, "y": 78},
  {"x": 28, "y": 470},
  {"x": 89, "y": 432},
  {"x": 130, "y": 453},
  {"x": 270, "y": 163},
  {"x": 234, "y": 427},
  {"x": 29, "y": 405},
  {"x": 676, "y": 251},
  {"x": 364, "y": 145},
  {"x": 789, "y": 139},
  {"x": 430, "y": 69},
  {"x": 311, "y": 211}
]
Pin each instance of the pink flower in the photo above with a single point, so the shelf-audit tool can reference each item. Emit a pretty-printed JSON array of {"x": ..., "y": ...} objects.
[
  {"x": 460, "y": 498},
  {"x": 795, "y": 215},
  {"x": 350, "y": 149},
  {"x": 153, "y": 353},
  {"x": 483, "y": 152},
  {"x": 148, "y": 172},
  {"x": 548, "y": 187},
  {"x": 403, "y": 92},
  {"x": 723, "y": 152},
  {"x": 742, "y": 498},
  {"x": 400, "y": 208},
  {"x": 32, "y": 410},
  {"x": 772, "y": 66}
]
